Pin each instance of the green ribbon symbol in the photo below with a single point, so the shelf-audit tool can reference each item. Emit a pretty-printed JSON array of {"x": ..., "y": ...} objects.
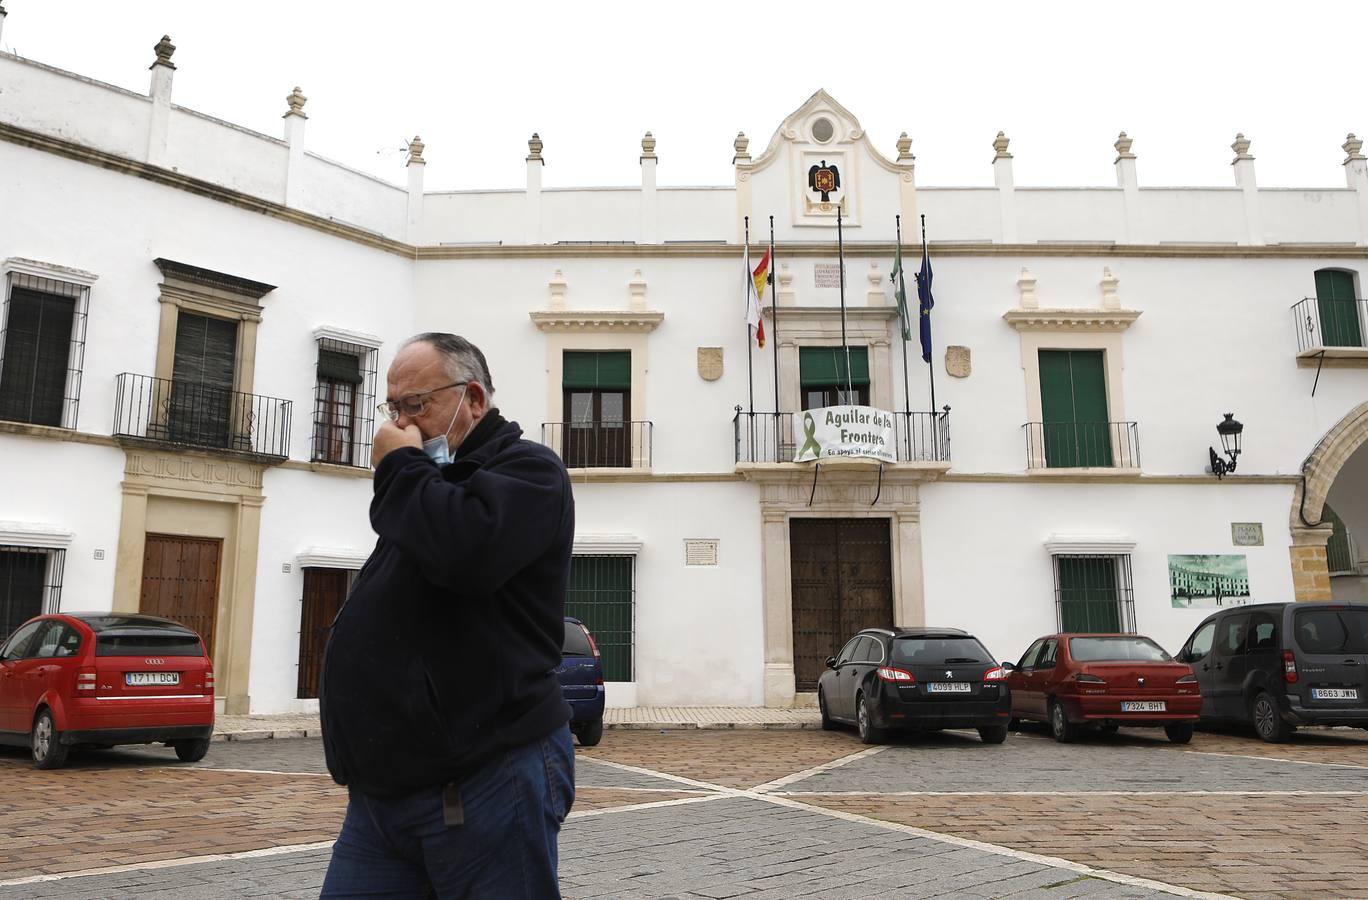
[{"x": 809, "y": 442}]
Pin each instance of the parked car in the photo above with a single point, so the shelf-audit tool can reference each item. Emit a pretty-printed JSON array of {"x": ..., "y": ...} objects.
[
  {"x": 1279, "y": 665},
  {"x": 101, "y": 679},
  {"x": 581, "y": 678},
  {"x": 1104, "y": 681},
  {"x": 914, "y": 679}
]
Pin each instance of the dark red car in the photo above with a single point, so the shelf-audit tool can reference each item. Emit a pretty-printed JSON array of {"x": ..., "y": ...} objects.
[
  {"x": 1075, "y": 681},
  {"x": 100, "y": 679}
]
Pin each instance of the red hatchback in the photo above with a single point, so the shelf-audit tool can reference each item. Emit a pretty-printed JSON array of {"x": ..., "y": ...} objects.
[
  {"x": 1073, "y": 681},
  {"x": 100, "y": 679}
]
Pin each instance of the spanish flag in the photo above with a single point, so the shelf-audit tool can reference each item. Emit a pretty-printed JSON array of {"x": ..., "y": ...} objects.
[{"x": 761, "y": 277}]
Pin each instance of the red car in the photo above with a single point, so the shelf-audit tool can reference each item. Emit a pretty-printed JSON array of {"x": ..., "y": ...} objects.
[
  {"x": 100, "y": 679},
  {"x": 1074, "y": 681}
]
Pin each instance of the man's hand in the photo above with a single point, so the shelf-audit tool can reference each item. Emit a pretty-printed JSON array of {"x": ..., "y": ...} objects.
[{"x": 392, "y": 437}]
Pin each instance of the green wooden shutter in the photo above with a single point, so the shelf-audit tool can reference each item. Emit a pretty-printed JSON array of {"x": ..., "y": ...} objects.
[
  {"x": 1073, "y": 407},
  {"x": 609, "y": 370},
  {"x": 1339, "y": 313},
  {"x": 826, "y": 366},
  {"x": 600, "y": 596},
  {"x": 37, "y": 348},
  {"x": 1088, "y": 595},
  {"x": 338, "y": 366}
]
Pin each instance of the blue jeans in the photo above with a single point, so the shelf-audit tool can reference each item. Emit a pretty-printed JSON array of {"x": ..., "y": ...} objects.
[{"x": 505, "y": 850}]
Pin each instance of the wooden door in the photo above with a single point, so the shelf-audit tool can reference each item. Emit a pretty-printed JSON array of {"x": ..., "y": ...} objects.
[
  {"x": 842, "y": 581},
  {"x": 180, "y": 581},
  {"x": 324, "y": 592},
  {"x": 1073, "y": 405}
]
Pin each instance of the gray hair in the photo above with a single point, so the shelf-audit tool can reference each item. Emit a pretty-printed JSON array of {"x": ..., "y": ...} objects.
[{"x": 464, "y": 361}]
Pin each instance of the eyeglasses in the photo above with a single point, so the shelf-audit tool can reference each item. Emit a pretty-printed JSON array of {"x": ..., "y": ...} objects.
[{"x": 412, "y": 405}]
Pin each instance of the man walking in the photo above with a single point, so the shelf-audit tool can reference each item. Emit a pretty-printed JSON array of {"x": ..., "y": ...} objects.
[{"x": 441, "y": 709}]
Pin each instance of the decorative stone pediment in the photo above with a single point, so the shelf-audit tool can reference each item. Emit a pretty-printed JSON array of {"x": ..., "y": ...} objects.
[
  {"x": 331, "y": 558},
  {"x": 582, "y": 321},
  {"x": 1097, "y": 320}
]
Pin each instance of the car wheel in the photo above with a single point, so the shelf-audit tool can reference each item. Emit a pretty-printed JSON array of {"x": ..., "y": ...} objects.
[
  {"x": 828, "y": 723},
  {"x": 191, "y": 750},
  {"x": 590, "y": 733},
  {"x": 1063, "y": 730},
  {"x": 993, "y": 734},
  {"x": 46, "y": 742},
  {"x": 1181, "y": 733},
  {"x": 1267, "y": 721},
  {"x": 869, "y": 734}
]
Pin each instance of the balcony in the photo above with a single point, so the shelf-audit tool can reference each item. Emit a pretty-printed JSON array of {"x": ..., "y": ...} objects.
[
  {"x": 1331, "y": 333},
  {"x": 585, "y": 444},
  {"x": 1082, "y": 445},
  {"x": 919, "y": 437},
  {"x": 201, "y": 416}
]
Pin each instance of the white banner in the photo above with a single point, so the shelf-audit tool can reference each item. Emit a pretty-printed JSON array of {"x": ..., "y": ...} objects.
[{"x": 844, "y": 431}]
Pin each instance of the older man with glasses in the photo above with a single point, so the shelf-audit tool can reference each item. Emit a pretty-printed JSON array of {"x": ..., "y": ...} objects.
[{"x": 441, "y": 709}]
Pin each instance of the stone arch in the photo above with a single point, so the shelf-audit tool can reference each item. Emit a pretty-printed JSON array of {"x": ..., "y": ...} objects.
[{"x": 1310, "y": 566}]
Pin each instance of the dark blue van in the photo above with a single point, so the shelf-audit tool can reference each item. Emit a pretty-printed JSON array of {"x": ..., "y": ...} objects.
[{"x": 581, "y": 678}]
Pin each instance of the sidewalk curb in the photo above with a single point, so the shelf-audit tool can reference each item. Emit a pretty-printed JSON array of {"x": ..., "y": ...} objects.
[{"x": 295, "y": 733}]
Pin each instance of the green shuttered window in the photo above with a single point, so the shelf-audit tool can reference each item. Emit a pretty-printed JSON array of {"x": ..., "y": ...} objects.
[
  {"x": 1094, "y": 593},
  {"x": 601, "y": 595},
  {"x": 1073, "y": 405},
  {"x": 609, "y": 370},
  {"x": 1339, "y": 313},
  {"x": 822, "y": 366}
]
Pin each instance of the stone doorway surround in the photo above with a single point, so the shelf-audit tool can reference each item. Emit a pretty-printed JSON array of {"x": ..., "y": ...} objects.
[
  {"x": 846, "y": 489},
  {"x": 1310, "y": 535},
  {"x": 198, "y": 495}
]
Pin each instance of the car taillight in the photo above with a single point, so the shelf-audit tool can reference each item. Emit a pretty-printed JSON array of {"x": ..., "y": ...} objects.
[
  {"x": 85, "y": 679},
  {"x": 994, "y": 674},
  {"x": 895, "y": 675},
  {"x": 1187, "y": 679},
  {"x": 1085, "y": 678},
  {"x": 593, "y": 645},
  {"x": 209, "y": 680},
  {"x": 1289, "y": 667}
]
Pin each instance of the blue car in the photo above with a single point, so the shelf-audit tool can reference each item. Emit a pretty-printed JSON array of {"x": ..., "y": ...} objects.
[{"x": 581, "y": 678}]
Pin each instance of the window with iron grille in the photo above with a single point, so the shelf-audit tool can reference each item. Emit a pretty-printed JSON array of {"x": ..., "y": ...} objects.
[
  {"x": 602, "y": 595},
  {"x": 30, "y": 584},
  {"x": 1093, "y": 593},
  {"x": 42, "y": 350},
  {"x": 344, "y": 403}
]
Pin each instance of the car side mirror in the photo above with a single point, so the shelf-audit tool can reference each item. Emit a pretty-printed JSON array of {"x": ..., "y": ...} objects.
[
  {"x": 831, "y": 662},
  {"x": 1009, "y": 667}
]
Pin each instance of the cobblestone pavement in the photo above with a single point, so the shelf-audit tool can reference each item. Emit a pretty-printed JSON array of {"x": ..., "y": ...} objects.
[{"x": 753, "y": 813}]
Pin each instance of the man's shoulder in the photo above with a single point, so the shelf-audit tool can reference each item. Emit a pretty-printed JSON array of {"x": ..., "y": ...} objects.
[{"x": 512, "y": 445}]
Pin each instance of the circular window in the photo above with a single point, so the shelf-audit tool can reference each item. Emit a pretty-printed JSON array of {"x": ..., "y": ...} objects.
[{"x": 822, "y": 130}]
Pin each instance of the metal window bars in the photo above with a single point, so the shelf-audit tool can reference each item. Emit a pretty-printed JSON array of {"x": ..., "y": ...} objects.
[
  {"x": 1094, "y": 593},
  {"x": 200, "y": 415},
  {"x": 601, "y": 443},
  {"x": 1077, "y": 445},
  {"x": 768, "y": 437},
  {"x": 602, "y": 595},
  {"x": 30, "y": 584},
  {"x": 344, "y": 404},
  {"x": 42, "y": 350}
]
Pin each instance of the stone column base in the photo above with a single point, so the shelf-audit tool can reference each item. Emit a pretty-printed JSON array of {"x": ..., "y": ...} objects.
[
  {"x": 779, "y": 685},
  {"x": 1310, "y": 564}
]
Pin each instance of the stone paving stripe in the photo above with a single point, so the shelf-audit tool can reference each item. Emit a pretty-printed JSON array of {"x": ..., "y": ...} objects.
[
  {"x": 638, "y": 770},
  {"x": 170, "y": 863},
  {"x": 682, "y": 801},
  {"x": 806, "y": 773},
  {"x": 1054, "y": 861},
  {"x": 1280, "y": 759},
  {"x": 1067, "y": 793},
  {"x": 247, "y": 771}
]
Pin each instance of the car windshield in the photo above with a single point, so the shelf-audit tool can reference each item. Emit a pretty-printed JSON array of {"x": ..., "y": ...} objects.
[
  {"x": 1116, "y": 649},
  {"x": 576, "y": 644},
  {"x": 938, "y": 651}
]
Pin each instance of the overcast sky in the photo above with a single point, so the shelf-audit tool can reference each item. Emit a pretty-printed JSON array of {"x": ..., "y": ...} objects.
[{"x": 475, "y": 80}]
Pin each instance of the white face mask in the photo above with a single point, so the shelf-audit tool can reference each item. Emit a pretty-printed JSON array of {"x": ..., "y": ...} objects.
[{"x": 439, "y": 448}]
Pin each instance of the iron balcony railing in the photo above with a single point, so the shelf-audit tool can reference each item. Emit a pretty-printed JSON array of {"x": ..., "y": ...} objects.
[
  {"x": 767, "y": 437},
  {"x": 1076, "y": 445},
  {"x": 588, "y": 444},
  {"x": 1330, "y": 323},
  {"x": 200, "y": 415}
]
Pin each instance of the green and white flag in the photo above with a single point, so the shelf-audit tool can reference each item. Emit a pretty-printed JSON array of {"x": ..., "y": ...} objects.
[{"x": 900, "y": 292}]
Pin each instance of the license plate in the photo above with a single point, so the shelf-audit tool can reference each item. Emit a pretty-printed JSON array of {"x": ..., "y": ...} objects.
[
  {"x": 1143, "y": 706},
  {"x": 143, "y": 678},
  {"x": 948, "y": 687},
  {"x": 1334, "y": 693}
]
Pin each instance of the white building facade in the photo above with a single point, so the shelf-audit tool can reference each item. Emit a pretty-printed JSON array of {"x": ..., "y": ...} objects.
[{"x": 198, "y": 319}]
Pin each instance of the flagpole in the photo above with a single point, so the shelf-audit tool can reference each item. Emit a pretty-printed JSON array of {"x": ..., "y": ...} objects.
[
  {"x": 745, "y": 266},
  {"x": 774, "y": 328},
  {"x": 840, "y": 256},
  {"x": 931, "y": 366},
  {"x": 902, "y": 288}
]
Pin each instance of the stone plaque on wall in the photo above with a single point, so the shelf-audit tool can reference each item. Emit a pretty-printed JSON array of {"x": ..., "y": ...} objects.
[
  {"x": 710, "y": 363},
  {"x": 1247, "y": 534},
  {"x": 957, "y": 361},
  {"x": 826, "y": 275}
]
